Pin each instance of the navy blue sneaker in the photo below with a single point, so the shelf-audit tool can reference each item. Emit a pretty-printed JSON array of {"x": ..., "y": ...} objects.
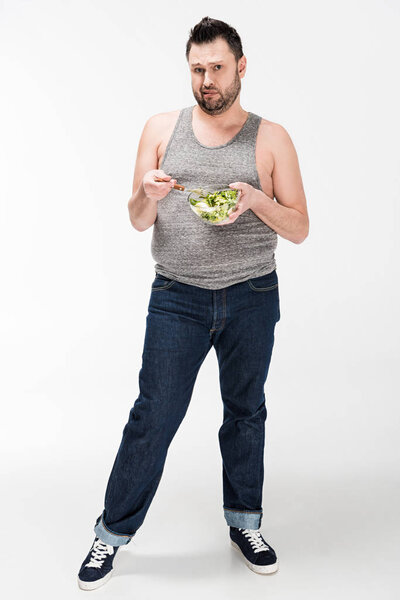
[
  {"x": 97, "y": 567},
  {"x": 257, "y": 554}
]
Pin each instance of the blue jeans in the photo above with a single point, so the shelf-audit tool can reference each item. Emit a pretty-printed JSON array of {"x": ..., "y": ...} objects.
[{"x": 182, "y": 324}]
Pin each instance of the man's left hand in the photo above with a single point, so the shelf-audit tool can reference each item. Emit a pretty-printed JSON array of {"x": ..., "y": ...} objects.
[{"x": 247, "y": 198}]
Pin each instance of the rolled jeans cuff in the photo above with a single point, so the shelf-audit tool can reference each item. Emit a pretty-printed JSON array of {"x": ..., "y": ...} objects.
[
  {"x": 245, "y": 519},
  {"x": 110, "y": 537}
]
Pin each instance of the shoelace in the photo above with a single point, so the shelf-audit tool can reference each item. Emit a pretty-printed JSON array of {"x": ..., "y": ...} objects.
[
  {"x": 99, "y": 553},
  {"x": 255, "y": 539}
]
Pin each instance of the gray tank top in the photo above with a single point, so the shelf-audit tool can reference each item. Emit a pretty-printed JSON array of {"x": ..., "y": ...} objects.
[{"x": 186, "y": 248}]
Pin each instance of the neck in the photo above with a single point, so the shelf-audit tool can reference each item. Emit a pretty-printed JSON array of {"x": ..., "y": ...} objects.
[{"x": 234, "y": 115}]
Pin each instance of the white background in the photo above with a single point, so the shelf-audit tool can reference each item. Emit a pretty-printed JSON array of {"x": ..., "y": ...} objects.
[{"x": 78, "y": 81}]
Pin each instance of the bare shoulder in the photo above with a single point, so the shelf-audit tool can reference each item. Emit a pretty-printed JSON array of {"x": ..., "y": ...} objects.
[
  {"x": 157, "y": 126},
  {"x": 273, "y": 134},
  {"x": 163, "y": 119},
  {"x": 272, "y": 127},
  {"x": 276, "y": 143}
]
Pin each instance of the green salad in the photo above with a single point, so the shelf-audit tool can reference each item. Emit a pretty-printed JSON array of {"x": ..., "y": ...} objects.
[{"x": 214, "y": 207}]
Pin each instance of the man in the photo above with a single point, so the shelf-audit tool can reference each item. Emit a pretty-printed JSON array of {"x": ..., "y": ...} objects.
[{"x": 215, "y": 285}]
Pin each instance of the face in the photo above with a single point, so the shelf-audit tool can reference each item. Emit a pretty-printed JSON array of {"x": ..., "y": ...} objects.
[{"x": 223, "y": 77}]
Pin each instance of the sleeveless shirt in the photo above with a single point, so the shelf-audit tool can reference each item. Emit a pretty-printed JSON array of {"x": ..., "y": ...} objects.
[{"x": 190, "y": 250}]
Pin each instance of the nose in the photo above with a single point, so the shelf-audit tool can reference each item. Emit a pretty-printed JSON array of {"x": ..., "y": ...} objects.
[{"x": 207, "y": 81}]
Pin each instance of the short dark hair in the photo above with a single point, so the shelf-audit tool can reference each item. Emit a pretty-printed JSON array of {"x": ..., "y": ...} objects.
[{"x": 207, "y": 30}]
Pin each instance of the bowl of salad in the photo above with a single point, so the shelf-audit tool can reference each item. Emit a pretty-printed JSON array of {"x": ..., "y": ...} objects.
[{"x": 214, "y": 206}]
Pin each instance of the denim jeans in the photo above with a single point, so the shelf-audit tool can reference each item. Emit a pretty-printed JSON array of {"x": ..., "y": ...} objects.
[{"x": 183, "y": 323}]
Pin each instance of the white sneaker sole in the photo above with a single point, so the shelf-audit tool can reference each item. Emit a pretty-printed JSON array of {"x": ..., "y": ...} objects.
[
  {"x": 260, "y": 569},
  {"x": 93, "y": 585}
]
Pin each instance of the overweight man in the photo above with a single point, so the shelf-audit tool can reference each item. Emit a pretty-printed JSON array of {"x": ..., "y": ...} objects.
[{"x": 215, "y": 285}]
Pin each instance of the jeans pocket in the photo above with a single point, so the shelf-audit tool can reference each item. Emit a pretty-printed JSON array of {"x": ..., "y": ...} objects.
[
  {"x": 162, "y": 283},
  {"x": 264, "y": 283}
]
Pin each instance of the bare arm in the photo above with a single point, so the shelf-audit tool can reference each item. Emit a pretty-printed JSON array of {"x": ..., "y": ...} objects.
[
  {"x": 143, "y": 203},
  {"x": 288, "y": 216}
]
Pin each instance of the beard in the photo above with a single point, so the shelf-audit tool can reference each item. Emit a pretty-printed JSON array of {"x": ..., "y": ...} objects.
[{"x": 220, "y": 102}]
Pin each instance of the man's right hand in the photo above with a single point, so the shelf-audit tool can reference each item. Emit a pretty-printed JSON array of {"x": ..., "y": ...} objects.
[{"x": 157, "y": 190}]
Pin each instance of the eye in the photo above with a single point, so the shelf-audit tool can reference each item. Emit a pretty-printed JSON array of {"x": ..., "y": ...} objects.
[{"x": 197, "y": 69}]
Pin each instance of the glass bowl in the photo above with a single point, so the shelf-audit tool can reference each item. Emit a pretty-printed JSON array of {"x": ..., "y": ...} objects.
[{"x": 212, "y": 205}]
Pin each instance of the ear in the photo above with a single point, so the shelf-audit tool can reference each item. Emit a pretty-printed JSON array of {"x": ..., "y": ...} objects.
[{"x": 242, "y": 65}]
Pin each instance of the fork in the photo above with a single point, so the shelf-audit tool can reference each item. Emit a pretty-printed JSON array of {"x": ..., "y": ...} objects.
[{"x": 181, "y": 188}]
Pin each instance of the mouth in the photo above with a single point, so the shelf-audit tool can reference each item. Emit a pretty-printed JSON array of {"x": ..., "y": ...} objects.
[{"x": 209, "y": 93}]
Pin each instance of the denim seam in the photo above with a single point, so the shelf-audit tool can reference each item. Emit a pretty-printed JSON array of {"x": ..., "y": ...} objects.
[
  {"x": 164, "y": 287},
  {"x": 224, "y": 314},
  {"x": 259, "y": 289},
  {"x": 224, "y": 302},
  {"x": 114, "y": 533},
  {"x": 252, "y": 512}
]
